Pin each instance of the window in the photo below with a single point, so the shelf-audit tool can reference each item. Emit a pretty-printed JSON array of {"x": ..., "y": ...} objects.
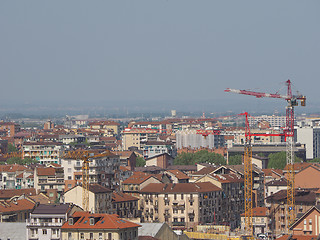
[
  {"x": 81, "y": 235},
  {"x": 100, "y": 236},
  {"x": 182, "y": 196},
  {"x": 69, "y": 236},
  {"x": 91, "y": 221},
  {"x": 109, "y": 236},
  {"x": 91, "y": 236},
  {"x": 175, "y": 219},
  {"x": 44, "y": 231}
]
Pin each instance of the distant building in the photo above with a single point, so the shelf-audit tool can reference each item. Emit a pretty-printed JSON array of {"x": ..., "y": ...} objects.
[
  {"x": 153, "y": 148},
  {"x": 137, "y": 137},
  {"x": 310, "y": 137},
  {"x": 191, "y": 139},
  {"x": 274, "y": 121},
  {"x": 44, "y": 152},
  {"x": 9, "y": 128}
]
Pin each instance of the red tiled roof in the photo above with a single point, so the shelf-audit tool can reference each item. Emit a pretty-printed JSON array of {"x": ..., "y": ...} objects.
[
  {"x": 49, "y": 171},
  {"x": 227, "y": 178},
  {"x": 299, "y": 166},
  {"x": 9, "y": 193},
  {"x": 12, "y": 168},
  {"x": 14, "y": 206},
  {"x": 122, "y": 197},
  {"x": 205, "y": 170},
  {"x": 270, "y": 171},
  {"x": 178, "y": 174},
  {"x": 101, "y": 221},
  {"x": 180, "y": 187},
  {"x": 103, "y": 123},
  {"x": 137, "y": 178},
  {"x": 258, "y": 212},
  {"x": 124, "y": 168}
]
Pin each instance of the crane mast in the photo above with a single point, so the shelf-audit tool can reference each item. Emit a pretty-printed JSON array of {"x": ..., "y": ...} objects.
[
  {"x": 292, "y": 101},
  {"x": 83, "y": 155}
]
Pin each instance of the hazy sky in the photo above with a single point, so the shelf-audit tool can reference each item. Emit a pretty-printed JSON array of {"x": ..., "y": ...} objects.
[{"x": 157, "y": 50}]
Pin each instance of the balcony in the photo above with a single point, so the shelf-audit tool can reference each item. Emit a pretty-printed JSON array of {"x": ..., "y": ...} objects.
[
  {"x": 48, "y": 224},
  {"x": 178, "y": 223}
]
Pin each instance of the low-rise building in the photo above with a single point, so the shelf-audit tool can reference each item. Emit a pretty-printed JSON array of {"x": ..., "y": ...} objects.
[
  {"x": 99, "y": 198},
  {"x": 259, "y": 220},
  {"x": 16, "y": 210},
  {"x": 85, "y": 225},
  {"x": 46, "y": 220}
]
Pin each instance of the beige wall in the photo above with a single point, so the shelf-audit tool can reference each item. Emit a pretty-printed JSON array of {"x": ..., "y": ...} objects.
[
  {"x": 115, "y": 235},
  {"x": 310, "y": 225}
]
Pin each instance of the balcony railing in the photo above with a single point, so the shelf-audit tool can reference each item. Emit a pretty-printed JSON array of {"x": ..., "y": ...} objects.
[
  {"x": 178, "y": 223},
  {"x": 49, "y": 224}
]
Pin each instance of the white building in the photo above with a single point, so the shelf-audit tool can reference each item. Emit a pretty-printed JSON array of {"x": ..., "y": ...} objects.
[
  {"x": 274, "y": 121},
  {"x": 308, "y": 133},
  {"x": 190, "y": 138}
]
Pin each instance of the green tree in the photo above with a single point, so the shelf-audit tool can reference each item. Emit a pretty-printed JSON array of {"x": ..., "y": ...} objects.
[
  {"x": 279, "y": 160},
  {"x": 235, "y": 160},
  {"x": 202, "y": 156},
  {"x": 140, "y": 162},
  {"x": 17, "y": 160},
  {"x": 184, "y": 159},
  {"x": 12, "y": 148},
  {"x": 315, "y": 160}
]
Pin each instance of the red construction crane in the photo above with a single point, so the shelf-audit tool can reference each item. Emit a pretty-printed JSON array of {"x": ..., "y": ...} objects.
[{"x": 292, "y": 101}]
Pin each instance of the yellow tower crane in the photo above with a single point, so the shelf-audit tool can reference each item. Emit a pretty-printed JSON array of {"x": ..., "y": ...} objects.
[{"x": 83, "y": 155}]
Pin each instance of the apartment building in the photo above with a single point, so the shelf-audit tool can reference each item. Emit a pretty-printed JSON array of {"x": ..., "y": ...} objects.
[
  {"x": 14, "y": 176},
  {"x": 16, "y": 210},
  {"x": 45, "y": 221},
  {"x": 85, "y": 225},
  {"x": 277, "y": 209},
  {"x": 107, "y": 128},
  {"x": 308, "y": 223},
  {"x": 104, "y": 169},
  {"x": 273, "y": 120},
  {"x": 49, "y": 180},
  {"x": 181, "y": 205},
  {"x": 44, "y": 152},
  {"x": 137, "y": 137},
  {"x": 310, "y": 137},
  {"x": 9, "y": 128},
  {"x": 232, "y": 204},
  {"x": 125, "y": 205},
  {"x": 136, "y": 182},
  {"x": 153, "y": 148},
  {"x": 194, "y": 140}
]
